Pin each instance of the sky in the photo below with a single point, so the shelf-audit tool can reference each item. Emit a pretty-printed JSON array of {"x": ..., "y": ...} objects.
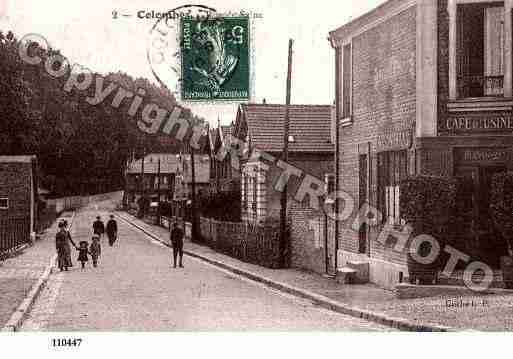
[{"x": 87, "y": 34}]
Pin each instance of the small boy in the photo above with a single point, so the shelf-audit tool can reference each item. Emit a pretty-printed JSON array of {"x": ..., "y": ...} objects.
[
  {"x": 95, "y": 250},
  {"x": 82, "y": 252}
]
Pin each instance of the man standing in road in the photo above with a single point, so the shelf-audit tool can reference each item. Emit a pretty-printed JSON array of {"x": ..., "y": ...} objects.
[
  {"x": 112, "y": 230},
  {"x": 177, "y": 243},
  {"x": 98, "y": 227}
]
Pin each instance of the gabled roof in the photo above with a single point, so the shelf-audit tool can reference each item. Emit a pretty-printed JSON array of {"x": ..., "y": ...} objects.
[
  {"x": 310, "y": 125},
  {"x": 171, "y": 163},
  {"x": 168, "y": 163}
]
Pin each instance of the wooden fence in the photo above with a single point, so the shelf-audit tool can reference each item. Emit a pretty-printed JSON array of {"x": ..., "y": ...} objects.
[
  {"x": 13, "y": 233},
  {"x": 251, "y": 243}
]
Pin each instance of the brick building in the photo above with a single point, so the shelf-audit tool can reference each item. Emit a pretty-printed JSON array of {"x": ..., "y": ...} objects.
[
  {"x": 311, "y": 150},
  {"x": 175, "y": 171},
  {"x": 422, "y": 87},
  {"x": 18, "y": 199},
  {"x": 224, "y": 175}
]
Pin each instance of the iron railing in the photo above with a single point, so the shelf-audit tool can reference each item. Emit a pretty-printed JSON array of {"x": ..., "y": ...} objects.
[{"x": 13, "y": 233}]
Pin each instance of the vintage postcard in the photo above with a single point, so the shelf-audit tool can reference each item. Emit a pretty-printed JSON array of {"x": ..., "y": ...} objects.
[{"x": 237, "y": 166}]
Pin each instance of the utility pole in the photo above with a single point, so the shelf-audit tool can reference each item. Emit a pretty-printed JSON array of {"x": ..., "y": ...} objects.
[
  {"x": 194, "y": 229},
  {"x": 158, "y": 192},
  {"x": 142, "y": 200},
  {"x": 283, "y": 202}
]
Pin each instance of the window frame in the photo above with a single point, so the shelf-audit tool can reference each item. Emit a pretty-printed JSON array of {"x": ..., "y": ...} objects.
[
  {"x": 6, "y": 201},
  {"x": 347, "y": 81},
  {"x": 345, "y": 117},
  {"x": 392, "y": 168},
  {"x": 459, "y": 87}
]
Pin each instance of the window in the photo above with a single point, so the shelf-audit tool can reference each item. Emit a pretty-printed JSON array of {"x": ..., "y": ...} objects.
[
  {"x": 4, "y": 203},
  {"x": 346, "y": 80},
  {"x": 245, "y": 192},
  {"x": 254, "y": 206},
  {"x": 392, "y": 168},
  {"x": 329, "y": 180},
  {"x": 480, "y": 50},
  {"x": 362, "y": 198}
]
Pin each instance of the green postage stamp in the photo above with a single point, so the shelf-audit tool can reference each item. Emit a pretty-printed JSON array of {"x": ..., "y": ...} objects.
[{"x": 215, "y": 59}]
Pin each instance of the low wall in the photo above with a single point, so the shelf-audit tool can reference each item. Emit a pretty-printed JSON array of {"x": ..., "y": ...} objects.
[
  {"x": 247, "y": 242},
  {"x": 74, "y": 202}
]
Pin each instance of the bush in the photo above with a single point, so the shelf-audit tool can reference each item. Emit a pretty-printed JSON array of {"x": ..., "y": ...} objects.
[
  {"x": 501, "y": 206},
  {"x": 427, "y": 204},
  {"x": 223, "y": 206}
]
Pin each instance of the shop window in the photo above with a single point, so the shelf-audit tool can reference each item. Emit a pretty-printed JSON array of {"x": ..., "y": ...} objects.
[
  {"x": 4, "y": 203},
  {"x": 392, "y": 169},
  {"x": 480, "y": 50}
]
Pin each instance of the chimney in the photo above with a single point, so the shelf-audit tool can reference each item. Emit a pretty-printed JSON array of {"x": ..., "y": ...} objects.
[
  {"x": 264, "y": 101},
  {"x": 333, "y": 122}
]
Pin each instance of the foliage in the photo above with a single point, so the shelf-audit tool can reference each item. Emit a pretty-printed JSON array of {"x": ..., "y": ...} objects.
[
  {"x": 223, "y": 206},
  {"x": 81, "y": 148},
  {"x": 248, "y": 242},
  {"x": 501, "y": 206},
  {"x": 427, "y": 204}
]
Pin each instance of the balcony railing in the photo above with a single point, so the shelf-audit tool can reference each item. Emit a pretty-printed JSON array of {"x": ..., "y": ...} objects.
[{"x": 480, "y": 86}]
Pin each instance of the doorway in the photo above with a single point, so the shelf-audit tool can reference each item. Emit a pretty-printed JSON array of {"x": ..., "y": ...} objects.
[{"x": 483, "y": 241}]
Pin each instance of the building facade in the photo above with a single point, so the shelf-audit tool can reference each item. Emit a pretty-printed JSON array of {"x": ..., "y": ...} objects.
[
  {"x": 224, "y": 176},
  {"x": 423, "y": 87},
  {"x": 311, "y": 146},
  {"x": 18, "y": 199}
]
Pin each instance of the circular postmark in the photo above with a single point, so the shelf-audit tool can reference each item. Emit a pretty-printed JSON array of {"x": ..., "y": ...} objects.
[
  {"x": 3, "y": 8},
  {"x": 164, "y": 44}
]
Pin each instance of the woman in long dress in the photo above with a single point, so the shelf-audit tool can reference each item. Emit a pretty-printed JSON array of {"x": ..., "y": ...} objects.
[
  {"x": 60, "y": 244},
  {"x": 67, "y": 246}
]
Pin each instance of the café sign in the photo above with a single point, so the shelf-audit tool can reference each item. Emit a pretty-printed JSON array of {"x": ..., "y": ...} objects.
[{"x": 473, "y": 123}]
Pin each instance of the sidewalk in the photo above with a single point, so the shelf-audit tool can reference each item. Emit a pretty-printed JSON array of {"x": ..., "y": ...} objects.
[
  {"x": 19, "y": 274},
  {"x": 479, "y": 312},
  {"x": 356, "y": 300}
]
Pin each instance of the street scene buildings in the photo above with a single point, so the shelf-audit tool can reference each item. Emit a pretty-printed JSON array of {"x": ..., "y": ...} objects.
[
  {"x": 383, "y": 207},
  {"x": 424, "y": 87}
]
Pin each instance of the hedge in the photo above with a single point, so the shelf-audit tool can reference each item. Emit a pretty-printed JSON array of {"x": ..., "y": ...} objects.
[
  {"x": 501, "y": 206},
  {"x": 427, "y": 204}
]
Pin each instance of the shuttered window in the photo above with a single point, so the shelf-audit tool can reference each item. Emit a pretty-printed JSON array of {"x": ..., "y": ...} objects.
[{"x": 392, "y": 168}]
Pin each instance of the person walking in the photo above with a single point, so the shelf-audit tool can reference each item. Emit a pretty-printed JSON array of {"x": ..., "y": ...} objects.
[
  {"x": 61, "y": 239},
  {"x": 112, "y": 230},
  {"x": 83, "y": 251},
  {"x": 67, "y": 246},
  {"x": 98, "y": 227},
  {"x": 95, "y": 250},
  {"x": 177, "y": 243}
]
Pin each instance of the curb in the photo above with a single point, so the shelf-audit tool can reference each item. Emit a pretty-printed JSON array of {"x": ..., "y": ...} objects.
[
  {"x": 17, "y": 318},
  {"x": 325, "y": 302}
]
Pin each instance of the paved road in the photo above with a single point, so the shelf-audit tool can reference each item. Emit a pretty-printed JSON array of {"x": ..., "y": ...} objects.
[{"x": 135, "y": 288}]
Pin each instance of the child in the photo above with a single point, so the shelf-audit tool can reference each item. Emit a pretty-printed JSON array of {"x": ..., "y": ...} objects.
[
  {"x": 82, "y": 252},
  {"x": 95, "y": 250}
]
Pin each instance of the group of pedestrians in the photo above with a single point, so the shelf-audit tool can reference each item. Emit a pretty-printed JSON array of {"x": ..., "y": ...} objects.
[{"x": 63, "y": 242}]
